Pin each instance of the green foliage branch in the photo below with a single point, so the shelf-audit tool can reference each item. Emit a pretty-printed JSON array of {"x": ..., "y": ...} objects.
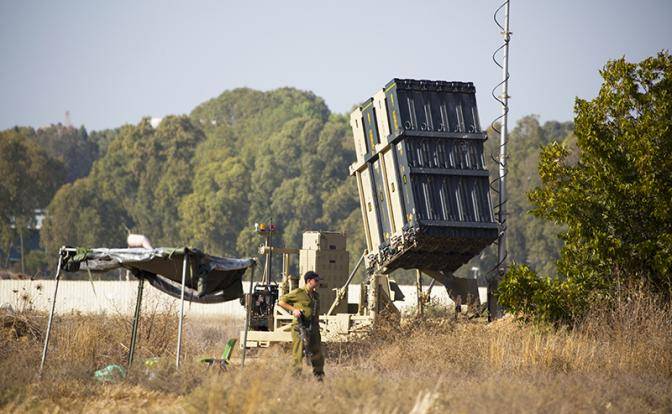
[{"x": 614, "y": 198}]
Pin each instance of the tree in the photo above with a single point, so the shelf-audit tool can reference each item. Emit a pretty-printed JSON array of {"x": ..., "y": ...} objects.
[
  {"x": 104, "y": 137},
  {"x": 29, "y": 178},
  {"x": 149, "y": 171},
  {"x": 80, "y": 215},
  {"x": 72, "y": 146},
  {"x": 206, "y": 179},
  {"x": 530, "y": 240},
  {"x": 213, "y": 214},
  {"x": 613, "y": 194}
]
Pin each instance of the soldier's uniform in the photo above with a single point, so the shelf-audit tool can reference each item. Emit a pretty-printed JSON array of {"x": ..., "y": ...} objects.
[{"x": 309, "y": 303}]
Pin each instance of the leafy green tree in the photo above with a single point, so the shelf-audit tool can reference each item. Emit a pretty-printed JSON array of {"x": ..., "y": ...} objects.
[
  {"x": 283, "y": 185},
  {"x": 339, "y": 196},
  {"x": 69, "y": 145},
  {"x": 139, "y": 183},
  {"x": 29, "y": 178},
  {"x": 79, "y": 215},
  {"x": 149, "y": 171},
  {"x": 613, "y": 195},
  {"x": 256, "y": 115},
  {"x": 530, "y": 240},
  {"x": 104, "y": 137},
  {"x": 213, "y": 214}
]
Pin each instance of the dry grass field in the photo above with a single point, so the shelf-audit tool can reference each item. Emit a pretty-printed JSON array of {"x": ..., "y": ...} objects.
[{"x": 618, "y": 360}]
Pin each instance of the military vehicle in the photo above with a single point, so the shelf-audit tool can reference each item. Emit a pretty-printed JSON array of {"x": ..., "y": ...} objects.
[{"x": 425, "y": 201}]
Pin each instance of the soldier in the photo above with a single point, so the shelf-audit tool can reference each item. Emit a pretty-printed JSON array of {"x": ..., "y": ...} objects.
[{"x": 304, "y": 304}]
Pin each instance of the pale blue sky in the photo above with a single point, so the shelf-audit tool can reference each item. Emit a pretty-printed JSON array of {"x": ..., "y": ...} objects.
[{"x": 111, "y": 63}]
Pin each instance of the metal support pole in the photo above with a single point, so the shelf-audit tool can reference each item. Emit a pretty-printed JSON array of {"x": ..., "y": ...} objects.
[
  {"x": 185, "y": 263},
  {"x": 285, "y": 275},
  {"x": 418, "y": 292},
  {"x": 248, "y": 307},
  {"x": 431, "y": 286},
  {"x": 285, "y": 264},
  {"x": 266, "y": 278},
  {"x": 494, "y": 310},
  {"x": 136, "y": 322},
  {"x": 374, "y": 297},
  {"x": 340, "y": 293},
  {"x": 270, "y": 256},
  {"x": 51, "y": 313}
]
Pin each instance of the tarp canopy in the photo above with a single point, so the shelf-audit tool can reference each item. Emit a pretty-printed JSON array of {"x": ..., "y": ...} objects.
[{"x": 209, "y": 279}]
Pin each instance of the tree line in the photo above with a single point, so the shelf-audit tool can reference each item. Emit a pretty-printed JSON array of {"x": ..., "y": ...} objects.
[{"x": 205, "y": 178}]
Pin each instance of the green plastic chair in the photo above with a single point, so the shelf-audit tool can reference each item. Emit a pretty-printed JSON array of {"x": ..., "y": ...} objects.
[
  {"x": 111, "y": 373},
  {"x": 223, "y": 361}
]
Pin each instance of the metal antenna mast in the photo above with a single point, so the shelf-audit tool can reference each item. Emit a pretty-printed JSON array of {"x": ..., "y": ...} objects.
[{"x": 494, "y": 310}]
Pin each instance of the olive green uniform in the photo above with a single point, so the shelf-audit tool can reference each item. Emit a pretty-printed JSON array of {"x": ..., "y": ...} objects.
[{"x": 309, "y": 303}]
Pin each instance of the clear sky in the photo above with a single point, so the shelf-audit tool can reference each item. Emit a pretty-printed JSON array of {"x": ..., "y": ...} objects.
[{"x": 113, "y": 62}]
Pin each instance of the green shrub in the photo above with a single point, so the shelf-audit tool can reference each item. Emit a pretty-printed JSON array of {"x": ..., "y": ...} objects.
[{"x": 545, "y": 299}]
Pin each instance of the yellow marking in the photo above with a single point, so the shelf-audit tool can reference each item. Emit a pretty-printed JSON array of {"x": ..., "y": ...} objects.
[
  {"x": 371, "y": 139},
  {"x": 369, "y": 206},
  {"x": 394, "y": 118},
  {"x": 404, "y": 179}
]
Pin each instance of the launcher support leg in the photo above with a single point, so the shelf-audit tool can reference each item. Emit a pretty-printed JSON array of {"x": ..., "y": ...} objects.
[
  {"x": 431, "y": 286},
  {"x": 340, "y": 293},
  {"x": 248, "y": 307},
  {"x": 418, "y": 291},
  {"x": 185, "y": 263},
  {"x": 136, "y": 322},
  {"x": 51, "y": 313},
  {"x": 494, "y": 310},
  {"x": 458, "y": 305}
]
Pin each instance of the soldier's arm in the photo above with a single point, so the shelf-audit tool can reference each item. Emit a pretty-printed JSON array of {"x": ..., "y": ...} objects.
[{"x": 286, "y": 302}]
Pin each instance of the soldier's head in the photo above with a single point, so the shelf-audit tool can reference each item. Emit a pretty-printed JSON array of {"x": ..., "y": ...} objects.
[{"x": 312, "y": 280}]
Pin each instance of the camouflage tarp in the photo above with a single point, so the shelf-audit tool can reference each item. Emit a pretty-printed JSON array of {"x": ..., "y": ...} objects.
[{"x": 209, "y": 279}]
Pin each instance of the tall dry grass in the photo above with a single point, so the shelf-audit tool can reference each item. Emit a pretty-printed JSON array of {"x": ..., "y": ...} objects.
[{"x": 618, "y": 360}]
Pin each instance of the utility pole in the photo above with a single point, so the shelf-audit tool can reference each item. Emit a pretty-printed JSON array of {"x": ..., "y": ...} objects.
[{"x": 494, "y": 310}]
